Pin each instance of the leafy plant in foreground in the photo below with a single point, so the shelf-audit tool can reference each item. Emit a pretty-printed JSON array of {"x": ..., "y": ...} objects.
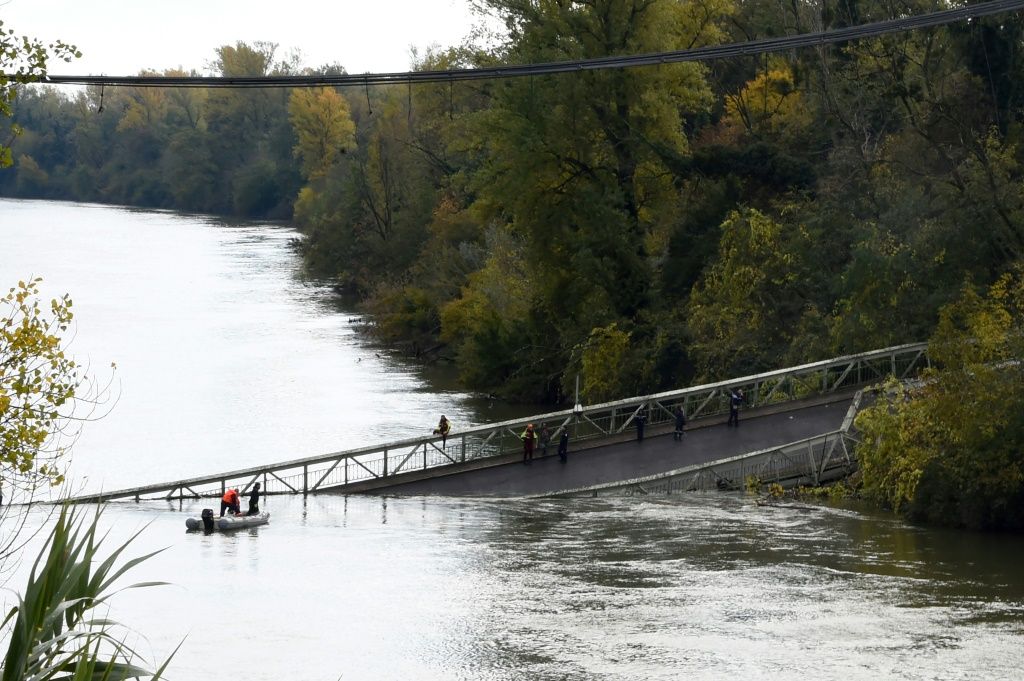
[{"x": 55, "y": 632}]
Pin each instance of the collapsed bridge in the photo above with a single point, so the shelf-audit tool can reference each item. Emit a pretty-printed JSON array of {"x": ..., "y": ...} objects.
[{"x": 795, "y": 425}]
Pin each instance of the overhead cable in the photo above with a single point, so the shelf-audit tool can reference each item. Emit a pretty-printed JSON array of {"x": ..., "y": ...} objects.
[{"x": 762, "y": 46}]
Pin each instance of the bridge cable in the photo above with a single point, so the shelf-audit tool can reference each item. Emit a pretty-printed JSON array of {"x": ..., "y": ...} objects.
[{"x": 708, "y": 53}]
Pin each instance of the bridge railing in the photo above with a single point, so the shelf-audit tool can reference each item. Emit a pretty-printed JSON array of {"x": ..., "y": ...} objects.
[
  {"x": 812, "y": 461},
  {"x": 606, "y": 420}
]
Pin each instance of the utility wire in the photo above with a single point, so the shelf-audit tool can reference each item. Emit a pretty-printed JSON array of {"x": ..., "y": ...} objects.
[{"x": 762, "y": 46}]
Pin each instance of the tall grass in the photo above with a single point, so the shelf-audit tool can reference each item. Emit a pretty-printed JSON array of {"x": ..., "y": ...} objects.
[{"x": 56, "y": 630}]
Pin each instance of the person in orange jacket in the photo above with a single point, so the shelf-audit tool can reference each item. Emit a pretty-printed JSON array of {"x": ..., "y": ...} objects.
[{"x": 230, "y": 501}]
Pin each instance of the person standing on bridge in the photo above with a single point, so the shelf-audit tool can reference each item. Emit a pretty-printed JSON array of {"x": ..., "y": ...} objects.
[
  {"x": 640, "y": 420},
  {"x": 563, "y": 445},
  {"x": 529, "y": 439},
  {"x": 680, "y": 423},
  {"x": 230, "y": 502},
  {"x": 545, "y": 439},
  {"x": 735, "y": 400},
  {"x": 444, "y": 426}
]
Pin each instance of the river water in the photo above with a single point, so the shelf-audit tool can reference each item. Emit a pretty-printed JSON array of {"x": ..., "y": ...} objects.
[{"x": 227, "y": 358}]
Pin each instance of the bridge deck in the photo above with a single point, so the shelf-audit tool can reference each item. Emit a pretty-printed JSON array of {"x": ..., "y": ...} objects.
[{"x": 658, "y": 453}]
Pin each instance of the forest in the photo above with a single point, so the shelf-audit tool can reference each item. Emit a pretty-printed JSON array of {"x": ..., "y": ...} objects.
[{"x": 640, "y": 228}]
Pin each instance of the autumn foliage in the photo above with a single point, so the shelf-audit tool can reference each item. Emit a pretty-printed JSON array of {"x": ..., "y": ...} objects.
[{"x": 950, "y": 449}]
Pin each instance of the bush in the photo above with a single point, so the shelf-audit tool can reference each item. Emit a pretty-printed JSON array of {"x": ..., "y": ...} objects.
[{"x": 951, "y": 449}]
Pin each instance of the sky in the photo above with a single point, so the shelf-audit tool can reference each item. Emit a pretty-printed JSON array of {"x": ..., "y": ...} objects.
[{"x": 122, "y": 37}]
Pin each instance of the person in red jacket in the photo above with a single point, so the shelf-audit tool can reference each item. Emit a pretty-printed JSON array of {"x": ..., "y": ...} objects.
[{"x": 230, "y": 501}]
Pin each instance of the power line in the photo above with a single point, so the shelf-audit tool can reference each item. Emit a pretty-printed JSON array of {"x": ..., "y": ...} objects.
[{"x": 762, "y": 46}]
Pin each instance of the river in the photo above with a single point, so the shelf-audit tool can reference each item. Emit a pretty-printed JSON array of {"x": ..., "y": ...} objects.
[{"x": 226, "y": 357}]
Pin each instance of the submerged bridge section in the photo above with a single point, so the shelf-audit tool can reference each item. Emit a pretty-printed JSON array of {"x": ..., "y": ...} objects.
[
  {"x": 812, "y": 461},
  {"x": 611, "y": 467},
  {"x": 782, "y": 407}
]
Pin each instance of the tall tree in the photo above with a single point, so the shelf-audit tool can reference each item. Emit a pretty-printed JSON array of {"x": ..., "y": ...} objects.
[
  {"x": 323, "y": 127},
  {"x": 578, "y": 164}
]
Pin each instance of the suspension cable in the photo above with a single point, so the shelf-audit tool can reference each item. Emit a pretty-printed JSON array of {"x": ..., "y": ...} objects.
[{"x": 762, "y": 46}]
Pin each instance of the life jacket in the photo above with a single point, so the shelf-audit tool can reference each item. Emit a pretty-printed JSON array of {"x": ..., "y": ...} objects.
[{"x": 230, "y": 497}]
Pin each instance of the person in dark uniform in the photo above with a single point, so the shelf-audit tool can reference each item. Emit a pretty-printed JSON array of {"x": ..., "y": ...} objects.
[
  {"x": 680, "y": 423},
  {"x": 254, "y": 500},
  {"x": 563, "y": 446},
  {"x": 735, "y": 400},
  {"x": 640, "y": 420}
]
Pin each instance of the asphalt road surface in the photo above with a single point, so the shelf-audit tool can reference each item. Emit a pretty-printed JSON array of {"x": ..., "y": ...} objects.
[{"x": 631, "y": 459}]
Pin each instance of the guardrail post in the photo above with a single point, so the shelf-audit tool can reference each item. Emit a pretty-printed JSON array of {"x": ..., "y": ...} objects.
[
  {"x": 305, "y": 478},
  {"x": 611, "y": 422},
  {"x": 346, "y": 470},
  {"x": 810, "y": 460},
  {"x": 424, "y": 456},
  {"x": 462, "y": 456},
  {"x": 385, "y": 464}
]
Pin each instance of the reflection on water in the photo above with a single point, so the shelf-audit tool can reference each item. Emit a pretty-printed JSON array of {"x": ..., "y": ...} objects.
[{"x": 696, "y": 586}]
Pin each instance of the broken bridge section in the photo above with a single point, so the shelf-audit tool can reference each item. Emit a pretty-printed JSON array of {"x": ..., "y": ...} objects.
[{"x": 782, "y": 407}]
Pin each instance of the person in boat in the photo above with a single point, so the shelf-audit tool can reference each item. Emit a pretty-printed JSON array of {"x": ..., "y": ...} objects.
[
  {"x": 230, "y": 502},
  {"x": 254, "y": 500}
]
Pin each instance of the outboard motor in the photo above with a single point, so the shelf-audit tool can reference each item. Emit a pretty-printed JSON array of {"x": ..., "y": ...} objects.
[{"x": 207, "y": 520}]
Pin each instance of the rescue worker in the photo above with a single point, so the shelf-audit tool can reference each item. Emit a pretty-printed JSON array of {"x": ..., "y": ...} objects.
[
  {"x": 444, "y": 426},
  {"x": 254, "y": 500},
  {"x": 529, "y": 439},
  {"x": 230, "y": 502}
]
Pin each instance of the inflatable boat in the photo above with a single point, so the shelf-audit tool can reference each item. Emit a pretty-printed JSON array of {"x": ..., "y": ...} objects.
[{"x": 226, "y": 523}]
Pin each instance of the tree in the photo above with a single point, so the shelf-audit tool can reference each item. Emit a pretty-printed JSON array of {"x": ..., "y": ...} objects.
[
  {"x": 44, "y": 396},
  {"x": 580, "y": 165},
  {"x": 23, "y": 60},
  {"x": 742, "y": 312},
  {"x": 323, "y": 127},
  {"x": 250, "y": 136}
]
